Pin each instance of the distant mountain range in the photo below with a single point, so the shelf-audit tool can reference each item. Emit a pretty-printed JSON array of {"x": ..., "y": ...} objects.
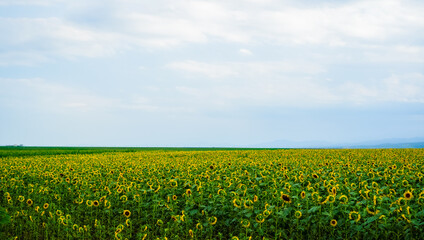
[{"x": 384, "y": 143}]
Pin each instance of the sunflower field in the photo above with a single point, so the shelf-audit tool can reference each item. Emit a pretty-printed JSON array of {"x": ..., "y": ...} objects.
[{"x": 214, "y": 194}]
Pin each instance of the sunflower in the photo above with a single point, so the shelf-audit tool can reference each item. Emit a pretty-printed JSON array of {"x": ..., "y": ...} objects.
[
  {"x": 79, "y": 200},
  {"x": 343, "y": 199},
  {"x": 128, "y": 222},
  {"x": 286, "y": 198},
  {"x": 255, "y": 198},
  {"x": 29, "y": 202},
  {"x": 334, "y": 190},
  {"x": 245, "y": 223},
  {"x": 96, "y": 203},
  {"x": 408, "y": 195},
  {"x": 119, "y": 228},
  {"x": 212, "y": 220},
  {"x": 260, "y": 218},
  {"x": 190, "y": 232},
  {"x": 372, "y": 212},
  {"x": 21, "y": 198},
  {"x": 127, "y": 213},
  {"x": 330, "y": 198},
  {"x": 266, "y": 213},
  {"x": 352, "y": 215},
  {"x": 188, "y": 192},
  {"x": 420, "y": 200},
  {"x": 107, "y": 204},
  {"x": 123, "y": 198},
  {"x": 298, "y": 214},
  {"x": 333, "y": 222},
  {"x": 248, "y": 203},
  {"x": 303, "y": 194},
  {"x": 159, "y": 222},
  {"x": 315, "y": 175},
  {"x": 199, "y": 226},
  {"x": 236, "y": 203},
  {"x": 46, "y": 205}
]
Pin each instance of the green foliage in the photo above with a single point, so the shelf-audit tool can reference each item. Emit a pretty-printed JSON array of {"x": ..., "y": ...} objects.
[
  {"x": 220, "y": 194},
  {"x": 4, "y": 217}
]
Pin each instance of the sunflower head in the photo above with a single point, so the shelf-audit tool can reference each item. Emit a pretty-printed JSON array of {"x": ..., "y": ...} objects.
[
  {"x": 188, "y": 192},
  {"x": 95, "y": 203},
  {"x": 298, "y": 214},
  {"x": 46, "y": 205},
  {"x": 29, "y": 202},
  {"x": 333, "y": 222},
  {"x": 334, "y": 190},
  {"x": 420, "y": 201},
  {"x": 303, "y": 194},
  {"x": 286, "y": 198},
  {"x": 199, "y": 226},
  {"x": 408, "y": 195},
  {"x": 245, "y": 223},
  {"x": 355, "y": 216},
  {"x": 212, "y": 220},
  {"x": 127, "y": 213}
]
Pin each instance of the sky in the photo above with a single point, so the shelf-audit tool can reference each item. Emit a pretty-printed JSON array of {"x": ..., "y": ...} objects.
[{"x": 210, "y": 73}]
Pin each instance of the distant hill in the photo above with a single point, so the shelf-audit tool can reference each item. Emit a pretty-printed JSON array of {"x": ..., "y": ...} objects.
[{"x": 393, "y": 145}]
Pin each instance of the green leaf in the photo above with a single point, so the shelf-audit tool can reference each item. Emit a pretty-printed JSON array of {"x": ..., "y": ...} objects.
[
  {"x": 371, "y": 219},
  {"x": 314, "y": 209}
]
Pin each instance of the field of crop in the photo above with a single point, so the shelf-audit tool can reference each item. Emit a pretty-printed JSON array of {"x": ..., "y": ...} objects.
[{"x": 216, "y": 194}]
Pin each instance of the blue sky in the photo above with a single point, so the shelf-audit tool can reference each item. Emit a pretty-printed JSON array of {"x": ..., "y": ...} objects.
[{"x": 210, "y": 73}]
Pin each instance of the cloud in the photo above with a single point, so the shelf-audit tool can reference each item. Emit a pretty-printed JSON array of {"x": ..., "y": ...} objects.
[
  {"x": 29, "y": 2},
  {"x": 250, "y": 69},
  {"x": 203, "y": 69},
  {"x": 53, "y": 37},
  {"x": 22, "y": 58},
  {"x": 403, "y": 88},
  {"x": 103, "y": 28},
  {"x": 245, "y": 52},
  {"x": 37, "y": 93}
]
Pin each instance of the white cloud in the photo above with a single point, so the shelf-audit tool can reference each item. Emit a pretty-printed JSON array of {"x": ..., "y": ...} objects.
[
  {"x": 29, "y": 2},
  {"x": 40, "y": 94},
  {"x": 250, "y": 69},
  {"x": 245, "y": 52},
  {"x": 203, "y": 69},
  {"x": 22, "y": 58},
  {"x": 122, "y": 26},
  {"x": 54, "y": 37},
  {"x": 396, "y": 88}
]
